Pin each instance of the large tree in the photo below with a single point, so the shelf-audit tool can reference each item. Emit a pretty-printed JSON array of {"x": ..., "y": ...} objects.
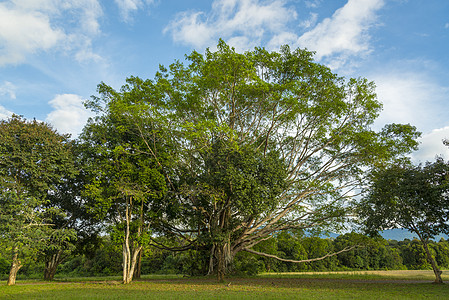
[
  {"x": 34, "y": 158},
  {"x": 261, "y": 142},
  {"x": 412, "y": 197}
]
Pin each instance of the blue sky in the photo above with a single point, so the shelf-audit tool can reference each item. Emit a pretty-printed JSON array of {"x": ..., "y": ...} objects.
[{"x": 54, "y": 53}]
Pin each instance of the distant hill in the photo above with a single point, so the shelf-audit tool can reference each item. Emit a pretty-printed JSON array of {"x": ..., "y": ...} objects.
[{"x": 400, "y": 234}]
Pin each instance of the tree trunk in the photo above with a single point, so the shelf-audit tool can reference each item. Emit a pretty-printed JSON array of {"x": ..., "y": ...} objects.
[
  {"x": 432, "y": 262},
  {"x": 224, "y": 260},
  {"x": 130, "y": 252},
  {"x": 130, "y": 257},
  {"x": 15, "y": 267},
  {"x": 138, "y": 270},
  {"x": 51, "y": 265},
  {"x": 211, "y": 261}
]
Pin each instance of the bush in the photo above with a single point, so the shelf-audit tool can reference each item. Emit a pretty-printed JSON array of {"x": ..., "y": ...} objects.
[
  {"x": 247, "y": 264},
  {"x": 4, "y": 266}
]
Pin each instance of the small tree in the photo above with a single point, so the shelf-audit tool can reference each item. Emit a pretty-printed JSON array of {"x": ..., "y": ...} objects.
[
  {"x": 126, "y": 182},
  {"x": 33, "y": 160},
  {"x": 412, "y": 197}
]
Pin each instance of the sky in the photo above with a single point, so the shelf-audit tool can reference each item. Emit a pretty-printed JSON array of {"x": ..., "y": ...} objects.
[{"x": 54, "y": 53}]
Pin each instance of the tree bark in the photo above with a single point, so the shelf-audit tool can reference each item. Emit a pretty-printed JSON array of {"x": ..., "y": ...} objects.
[
  {"x": 15, "y": 267},
  {"x": 224, "y": 259},
  {"x": 433, "y": 263},
  {"x": 349, "y": 248},
  {"x": 138, "y": 270},
  {"x": 130, "y": 257},
  {"x": 130, "y": 252},
  {"x": 51, "y": 265},
  {"x": 211, "y": 261},
  {"x": 430, "y": 259}
]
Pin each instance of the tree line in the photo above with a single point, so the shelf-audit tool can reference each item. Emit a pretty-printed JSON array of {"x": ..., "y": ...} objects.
[
  {"x": 377, "y": 254},
  {"x": 217, "y": 155}
]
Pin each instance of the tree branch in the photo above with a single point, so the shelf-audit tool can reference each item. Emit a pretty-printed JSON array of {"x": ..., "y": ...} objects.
[{"x": 304, "y": 260}]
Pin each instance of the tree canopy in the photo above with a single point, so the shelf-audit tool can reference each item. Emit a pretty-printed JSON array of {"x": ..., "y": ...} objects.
[
  {"x": 412, "y": 197},
  {"x": 34, "y": 159},
  {"x": 126, "y": 185},
  {"x": 258, "y": 142}
]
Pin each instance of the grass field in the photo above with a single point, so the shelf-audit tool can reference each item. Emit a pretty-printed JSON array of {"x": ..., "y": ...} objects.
[{"x": 334, "y": 285}]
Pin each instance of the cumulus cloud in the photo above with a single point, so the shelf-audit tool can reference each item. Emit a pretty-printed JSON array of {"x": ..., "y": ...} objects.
[
  {"x": 127, "y": 7},
  {"x": 69, "y": 114},
  {"x": 189, "y": 28},
  {"x": 22, "y": 32},
  {"x": 31, "y": 26},
  {"x": 432, "y": 145},
  {"x": 412, "y": 97},
  {"x": 244, "y": 24},
  {"x": 4, "y": 113},
  {"x": 8, "y": 89},
  {"x": 415, "y": 97},
  {"x": 343, "y": 35}
]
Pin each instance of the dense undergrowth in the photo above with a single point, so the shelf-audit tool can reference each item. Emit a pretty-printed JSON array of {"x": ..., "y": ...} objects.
[{"x": 378, "y": 254}]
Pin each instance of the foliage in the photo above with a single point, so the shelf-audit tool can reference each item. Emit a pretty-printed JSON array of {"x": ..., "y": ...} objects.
[
  {"x": 441, "y": 253},
  {"x": 227, "y": 153},
  {"x": 414, "y": 198},
  {"x": 126, "y": 183},
  {"x": 106, "y": 260},
  {"x": 34, "y": 159},
  {"x": 4, "y": 265},
  {"x": 405, "y": 196},
  {"x": 377, "y": 254},
  {"x": 259, "y": 142},
  {"x": 413, "y": 254},
  {"x": 67, "y": 196},
  {"x": 374, "y": 255}
]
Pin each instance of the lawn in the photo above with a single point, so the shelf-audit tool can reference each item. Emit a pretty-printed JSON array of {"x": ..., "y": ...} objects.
[{"x": 341, "y": 285}]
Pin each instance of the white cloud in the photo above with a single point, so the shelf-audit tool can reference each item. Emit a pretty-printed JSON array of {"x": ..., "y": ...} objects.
[
  {"x": 7, "y": 88},
  {"x": 412, "y": 97},
  {"x": 432, "y": 145},
  {"x": 4, "y": 113},
  {"x": 69, "y": 114},
  {"x": 30, "y": 26},
  {"x": 22, "y": 33},
  {"x": 313, "y": 3},
  {"x": 283, "y": 38},
  {"x": 188, "y": 28},
  {"x": 309, "y": 22},
  {"x": 84, "y": 50},
  {"x": 89, "y": 12},
  {"x": 415, "y": 97},
  {"x": 244, "y": 24},
  {"x": 343, "y": 35},
  {"x": 127, "y": 7}
]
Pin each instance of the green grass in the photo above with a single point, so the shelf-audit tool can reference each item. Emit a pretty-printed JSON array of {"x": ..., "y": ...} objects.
[
  {"x": 348, "y": 285},
  {"x": 365, "y": 275}
]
